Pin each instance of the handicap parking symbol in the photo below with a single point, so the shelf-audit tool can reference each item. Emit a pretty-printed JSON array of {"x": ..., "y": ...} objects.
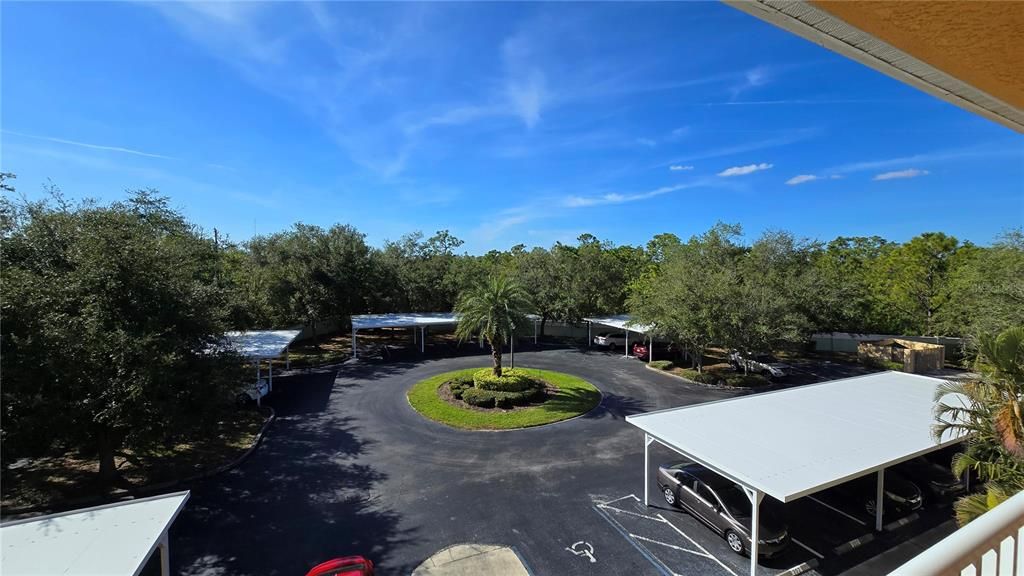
[{"x": 585, "y": 549}]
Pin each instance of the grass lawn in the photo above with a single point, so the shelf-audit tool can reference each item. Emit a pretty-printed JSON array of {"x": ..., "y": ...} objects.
[
  {"x": 62, "y": 476},
  {"x": 574, "y": 397}
]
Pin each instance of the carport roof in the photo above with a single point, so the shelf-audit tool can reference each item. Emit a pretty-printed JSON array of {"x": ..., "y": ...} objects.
[
  {"x": 409, "y": 319},
  {"x": 115, "y": 539},
  {"x": 403, "y": 320},
  {"x": 622, "y": 322},
  {"x": 794, "y": 442},
  {"x": 261, "y": 344}
]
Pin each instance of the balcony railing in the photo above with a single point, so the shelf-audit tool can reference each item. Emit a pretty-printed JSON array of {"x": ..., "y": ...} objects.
[{"x": 992, "y": 545}]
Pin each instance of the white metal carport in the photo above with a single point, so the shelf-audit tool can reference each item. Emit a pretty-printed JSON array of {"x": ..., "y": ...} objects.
[
  {"x": 260, "y": 345},
  {"x": 795, "y": 442},
  {"x": 114, "y": 539},
  {"x": 622, "y": 322},
  {"x": 414, "y": 320}
]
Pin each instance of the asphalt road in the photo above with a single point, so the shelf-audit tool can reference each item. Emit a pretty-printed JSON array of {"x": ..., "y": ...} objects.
[{"x": 351, "y": 468}]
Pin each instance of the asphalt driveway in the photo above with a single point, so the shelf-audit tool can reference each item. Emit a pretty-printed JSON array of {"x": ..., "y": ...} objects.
[{"x": 350, "y": 468}]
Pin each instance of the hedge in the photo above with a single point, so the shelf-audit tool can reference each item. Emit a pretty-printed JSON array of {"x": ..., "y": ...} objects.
[
  {"x": 511, "y": 380},
  {"x": 662, "y": 364}
]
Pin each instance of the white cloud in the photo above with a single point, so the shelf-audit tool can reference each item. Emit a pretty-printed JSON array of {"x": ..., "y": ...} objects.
[
  {"x": 679, "y": 133},
  {"x": 802, "y": 178},
  {"x": 646, "y": 142},
  {"x": 744, "y": 170},
  {"x": 909, "y": 173},
  {"x": 679, "y": 168}
]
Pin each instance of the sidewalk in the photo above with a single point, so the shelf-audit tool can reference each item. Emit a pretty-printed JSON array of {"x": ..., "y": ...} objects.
[{"x": 473, "y": 560}]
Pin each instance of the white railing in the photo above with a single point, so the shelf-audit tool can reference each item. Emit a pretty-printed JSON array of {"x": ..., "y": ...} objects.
[{"x": 991, "y": 545}]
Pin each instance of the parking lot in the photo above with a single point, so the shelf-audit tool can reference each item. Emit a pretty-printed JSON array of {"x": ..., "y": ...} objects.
[{"x": 350, "y": 468}]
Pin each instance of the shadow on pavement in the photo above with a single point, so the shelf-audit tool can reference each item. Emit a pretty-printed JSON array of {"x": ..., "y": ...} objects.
[{"x": 299, "y": 501}]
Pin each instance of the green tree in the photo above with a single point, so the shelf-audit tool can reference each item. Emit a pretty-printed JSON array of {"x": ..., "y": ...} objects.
[
  {"x": 987, "y": 289},
  {"x": 111, "y": 320},
  {"x": 912, "y": 281},
  {"x": 989, "y": 410},
  {"x": 492, "y": 310},
  {"x": 844, "y": 268}
]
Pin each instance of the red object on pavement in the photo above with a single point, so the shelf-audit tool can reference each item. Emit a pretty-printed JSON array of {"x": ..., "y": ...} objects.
[{"x": 347, "y": 566}]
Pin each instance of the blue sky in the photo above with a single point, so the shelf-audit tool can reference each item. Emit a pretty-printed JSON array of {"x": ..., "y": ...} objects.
[{"x": 504, "y": 123}]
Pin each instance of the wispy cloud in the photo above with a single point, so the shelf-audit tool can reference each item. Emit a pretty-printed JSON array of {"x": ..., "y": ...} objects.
[
  {"x": 679, "y": 168},
  {"x": 90, "y": 146},
  {"x": 753, "y": 78},
  {"x": 646, "y": 142},
  {"x": 744, "y": 170},
  {"x": 678, "y": 133},
  {"x": 804, "y": 178},
  {"x": 619, "y": 198},
  {"x": 991, "y": 150},
  {"x": 908, "y": 173},
  {"x": 790, "y": 137}
]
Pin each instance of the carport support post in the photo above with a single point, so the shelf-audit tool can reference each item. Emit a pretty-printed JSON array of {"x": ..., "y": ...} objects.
[
  {"x": 534, "y": 332},
  {"x": 165, "y": 555},
  {"x": 879, "y": 500},
  {"x": 627, "y": 343},
  {"x": 755, "y": 526},
  {"x": 589, "y": 337},
  {"x": 650, "y": 349},
  {"x": 423, "y": 335},
  {"x": 270, "y": 372},
  {"x": 355, "y": 353},
  {"x": 647, "y": 467}
]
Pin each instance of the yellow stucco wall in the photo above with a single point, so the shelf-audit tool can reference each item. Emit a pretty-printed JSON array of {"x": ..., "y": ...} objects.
[{"x": 978, "y": 42}]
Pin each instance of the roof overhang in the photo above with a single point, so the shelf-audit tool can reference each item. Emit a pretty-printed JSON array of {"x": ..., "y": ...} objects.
[
  {"x": 115, "y": 539},
  {"x": 970, "y": 54},
  {"x": 794, "y": 442}
]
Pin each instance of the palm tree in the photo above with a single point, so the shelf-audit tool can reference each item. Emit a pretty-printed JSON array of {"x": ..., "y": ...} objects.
[
  {"x": 989, "y": 410},
  {"x": 492, "y": 310}
]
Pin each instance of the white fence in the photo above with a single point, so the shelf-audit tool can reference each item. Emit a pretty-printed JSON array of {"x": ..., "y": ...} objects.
[
  {"x": 992, "y": 545},
  {"x": 847, "y": 341}
]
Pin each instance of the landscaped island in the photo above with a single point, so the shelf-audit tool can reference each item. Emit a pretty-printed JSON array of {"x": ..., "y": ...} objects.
[{"x": 476, "y": 399}]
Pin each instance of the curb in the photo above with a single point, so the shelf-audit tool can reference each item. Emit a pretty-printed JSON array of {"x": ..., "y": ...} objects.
[
  {"x": 854, "y": 544},
  {"x": 124, "y": 495},
  {"x": 744, "y": 389}
]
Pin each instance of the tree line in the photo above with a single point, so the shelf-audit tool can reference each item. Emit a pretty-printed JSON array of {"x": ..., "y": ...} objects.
[{"x": 111, "y": 313}]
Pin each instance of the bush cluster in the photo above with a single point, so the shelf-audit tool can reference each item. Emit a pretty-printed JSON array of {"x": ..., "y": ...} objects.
[
  {"x": 459, "y": 384},
  {"x": 495, "y": 399},
  {"x": 662, "y": 364},
  {"x": 511, "y": 380}
]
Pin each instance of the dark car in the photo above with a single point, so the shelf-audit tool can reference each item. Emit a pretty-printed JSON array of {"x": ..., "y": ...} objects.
[
  {"x": 901, "y": 494},
  {"x": 723, "y": 506},
  {"x": 937, "y": 480}
]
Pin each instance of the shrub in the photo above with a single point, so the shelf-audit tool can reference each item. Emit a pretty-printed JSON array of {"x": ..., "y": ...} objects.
[
  {"x": 479, "y": 398},
  {"x": 883, "y": 364},
  {"x": 457, "y": 387},
  {"x": 662, "y": 364},
  {"x": 511, "y": 380}
]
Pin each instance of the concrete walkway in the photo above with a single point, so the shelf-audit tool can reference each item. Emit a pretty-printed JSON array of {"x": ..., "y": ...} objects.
[{"x": 472, "y": 560}]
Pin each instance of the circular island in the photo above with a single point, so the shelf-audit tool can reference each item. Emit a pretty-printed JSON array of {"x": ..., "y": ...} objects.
[{"x": 476, "y": 399}]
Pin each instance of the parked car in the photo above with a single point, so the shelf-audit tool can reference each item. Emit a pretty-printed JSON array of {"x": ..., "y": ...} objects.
[
  {"x": 610, "y": 339},
  {"x": 765, "y": 364},
  {"x": 901, "y": 495},
  {"x": 640, "y": 350},
  {"x": 724, "y": 507},
  {"x": 347, "y": 566},
  {"x": 937, "y": 480}
]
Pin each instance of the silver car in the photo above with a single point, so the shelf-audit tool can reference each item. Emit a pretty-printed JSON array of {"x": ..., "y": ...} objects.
[{"x": 723, "y": 506}]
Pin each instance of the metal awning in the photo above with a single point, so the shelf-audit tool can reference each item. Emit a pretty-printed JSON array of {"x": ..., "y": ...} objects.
[
  {"x": 795, "y": 442},
  {"x": 115, "y": 539},
  {"x": 261, "y": 344},
  {"x": 625, "y": 323},
  {"x": 414, "y": 320}
]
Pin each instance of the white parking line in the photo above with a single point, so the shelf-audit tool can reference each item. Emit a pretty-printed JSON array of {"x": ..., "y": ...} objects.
[
  {"x": 694, "y": 542},
  {"x": 633, "y": 496},
  {"x": 630, "y": 513},
  {"x": 808, "y": 548},
  {"x": 673, "y": 546},
  {"x": 834, "y": 509}
]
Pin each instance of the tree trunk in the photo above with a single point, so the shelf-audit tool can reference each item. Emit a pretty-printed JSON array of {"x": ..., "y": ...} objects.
[
  {"x": 105, "y": 450},
  {"x": 496, "y": 358},
  {"x": 543, "y": 322}
]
